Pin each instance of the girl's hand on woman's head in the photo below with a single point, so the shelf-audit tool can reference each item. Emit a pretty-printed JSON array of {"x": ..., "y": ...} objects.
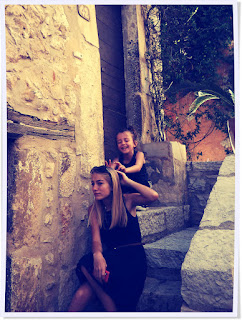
[
  {"x": 120, "y": 166},
  {"x": 108, "y": 163}
]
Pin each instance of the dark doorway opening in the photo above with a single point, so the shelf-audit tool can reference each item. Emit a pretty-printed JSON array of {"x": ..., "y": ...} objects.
[{"x": 109, "y": 25}]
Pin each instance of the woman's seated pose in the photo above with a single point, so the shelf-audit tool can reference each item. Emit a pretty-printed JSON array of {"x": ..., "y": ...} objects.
[{"x": 115, "y": 271}]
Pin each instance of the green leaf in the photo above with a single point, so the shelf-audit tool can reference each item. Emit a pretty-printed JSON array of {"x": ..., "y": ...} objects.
[
  {"x": 232, "y": 95},
  {"x": 202, "y": 97}
]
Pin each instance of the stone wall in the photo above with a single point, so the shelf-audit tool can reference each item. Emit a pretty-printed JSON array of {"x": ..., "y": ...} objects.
[
  {"x": 54, "y": 98},
  {"x": 139, "y": 107},
  {"x": 166, "y": 167},
  {"x": 201, "y": 177},
  {"x": 208, "y": 269}
]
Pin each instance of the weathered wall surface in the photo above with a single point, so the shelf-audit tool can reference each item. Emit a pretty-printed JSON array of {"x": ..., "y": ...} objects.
[
  {"x": 55, "y": 120},
  {"x": 139, "y": 108},
  {"x": 201, "y": 177},
  {"x": 208, "y": 269},
  {"x": 166, "y": 167}
]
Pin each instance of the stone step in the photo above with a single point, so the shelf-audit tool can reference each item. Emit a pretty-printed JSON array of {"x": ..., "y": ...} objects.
[
  {"x": 160, "y": 296},
  {"x": 165, "y": 256},
  {"x": 157, "y": 222},
  {"x": 162, "y": 290}
]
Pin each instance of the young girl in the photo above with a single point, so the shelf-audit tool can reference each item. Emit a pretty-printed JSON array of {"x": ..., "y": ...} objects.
[
  {"x": 117, "y": 252},
  {"x": 130, "y": 161}
]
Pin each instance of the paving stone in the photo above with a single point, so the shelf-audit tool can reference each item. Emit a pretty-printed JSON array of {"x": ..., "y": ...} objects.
[{"x": 160, "y": 296}]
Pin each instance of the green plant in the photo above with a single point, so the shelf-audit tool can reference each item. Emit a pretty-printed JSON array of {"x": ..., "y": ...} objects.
[
  {"x": 202, "y": 96},
  {"x": 186, "y": 44}
]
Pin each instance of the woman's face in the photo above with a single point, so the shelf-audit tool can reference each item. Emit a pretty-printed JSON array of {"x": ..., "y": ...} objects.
[{"x": 100, "y": 186}]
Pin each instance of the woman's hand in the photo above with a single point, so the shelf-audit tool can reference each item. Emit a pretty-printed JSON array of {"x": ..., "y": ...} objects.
[
  {"x": 99, "y": 266},
  {"x": 124, "y": 180}
]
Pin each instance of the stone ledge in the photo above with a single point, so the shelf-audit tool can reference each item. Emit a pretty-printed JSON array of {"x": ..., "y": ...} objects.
[
  {"x": 155, "y": 223},
  {"x": 170, "y": 251},
  {"x": 209, "y": 166}
]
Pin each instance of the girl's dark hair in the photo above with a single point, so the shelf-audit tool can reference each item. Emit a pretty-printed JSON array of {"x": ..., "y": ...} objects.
[{"x": 131, "y": 130}]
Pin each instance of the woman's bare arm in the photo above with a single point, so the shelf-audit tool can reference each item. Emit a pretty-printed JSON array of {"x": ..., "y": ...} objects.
[
  {"x": 144, "y": 195},
  {"x": 99, "y": 263},
  {"x": 140, "y": 160}
]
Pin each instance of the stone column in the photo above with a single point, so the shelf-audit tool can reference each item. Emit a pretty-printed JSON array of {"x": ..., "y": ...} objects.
[
  {"x": 139, "y": 109},
  {"x": 166, "y": 167}
]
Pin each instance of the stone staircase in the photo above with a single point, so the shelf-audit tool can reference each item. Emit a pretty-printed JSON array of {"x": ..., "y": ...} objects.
[
  {"x": 162, "y": 291},
  {"x": 166, "y": 237}
]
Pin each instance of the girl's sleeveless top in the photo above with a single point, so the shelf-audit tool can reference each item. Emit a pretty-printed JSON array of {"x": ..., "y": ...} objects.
[{"x": 140, "y": 177}]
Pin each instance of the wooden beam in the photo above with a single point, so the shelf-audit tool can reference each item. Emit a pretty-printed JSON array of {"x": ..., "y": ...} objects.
[{"x": 22, "y": 124}]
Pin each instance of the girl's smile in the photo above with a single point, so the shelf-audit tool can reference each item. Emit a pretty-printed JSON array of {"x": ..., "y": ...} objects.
[{"x": 125, "y": 142}]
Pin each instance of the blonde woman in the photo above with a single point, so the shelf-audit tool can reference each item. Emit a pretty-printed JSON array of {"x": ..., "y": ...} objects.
[{"x": 115, "y": 271}]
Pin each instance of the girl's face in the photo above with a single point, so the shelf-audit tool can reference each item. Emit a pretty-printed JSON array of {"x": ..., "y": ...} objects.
[
  {"x": 125, "y": 142},
  {"x": 100, "y": 186}
]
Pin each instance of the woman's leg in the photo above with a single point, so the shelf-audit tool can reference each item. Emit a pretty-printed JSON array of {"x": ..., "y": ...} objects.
[
  {"x": 81, "y": 298},
  {"x": 106, "y": 300}
]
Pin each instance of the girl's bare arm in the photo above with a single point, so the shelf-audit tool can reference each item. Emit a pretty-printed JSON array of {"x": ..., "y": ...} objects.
[{"x": 140, "y": 160}]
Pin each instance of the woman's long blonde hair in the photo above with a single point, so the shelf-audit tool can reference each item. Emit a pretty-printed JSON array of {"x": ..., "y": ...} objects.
[{"x": 119, "y": 214}]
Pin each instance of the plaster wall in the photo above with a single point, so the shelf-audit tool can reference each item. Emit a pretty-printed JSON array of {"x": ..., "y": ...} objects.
[{"x": 53, "y": 81}]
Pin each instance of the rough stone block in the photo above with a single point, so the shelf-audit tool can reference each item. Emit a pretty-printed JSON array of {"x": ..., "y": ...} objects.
[
  {"x": 169, "y": 252},
  {"x": 197, "y": 184},
  {"x": 220, "y": 207},
  {"x": 228, "y": 166},
  {"x": 209, "y": 166},
  {"x": 207, "y": 271},
  {"x": 67, "y": 173},
  {"x": 26, "y": 285},
  {"x": 178, "y": 151},
  {"x": 155, "y": 222},
  {"x": 186, "y": 213},
  {"x": 159, "y": 296},
  {"x": 156, "y": 150},
  {"x": 27, "y": 196},
  {"x": 174, "y": 218},
  {"x": 169, "y": 194},
  {"x": 152, "y": 223},
  {"x": 164, "y": 274}
]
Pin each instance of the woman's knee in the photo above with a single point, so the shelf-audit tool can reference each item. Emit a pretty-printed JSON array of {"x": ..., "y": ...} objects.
[{"x": 85, "y": 291}]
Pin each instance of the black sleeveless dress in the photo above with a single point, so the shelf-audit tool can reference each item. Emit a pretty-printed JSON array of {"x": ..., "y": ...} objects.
[
  {"x": 140, "y": 177},
  {"x": 126, "y": 264}
]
